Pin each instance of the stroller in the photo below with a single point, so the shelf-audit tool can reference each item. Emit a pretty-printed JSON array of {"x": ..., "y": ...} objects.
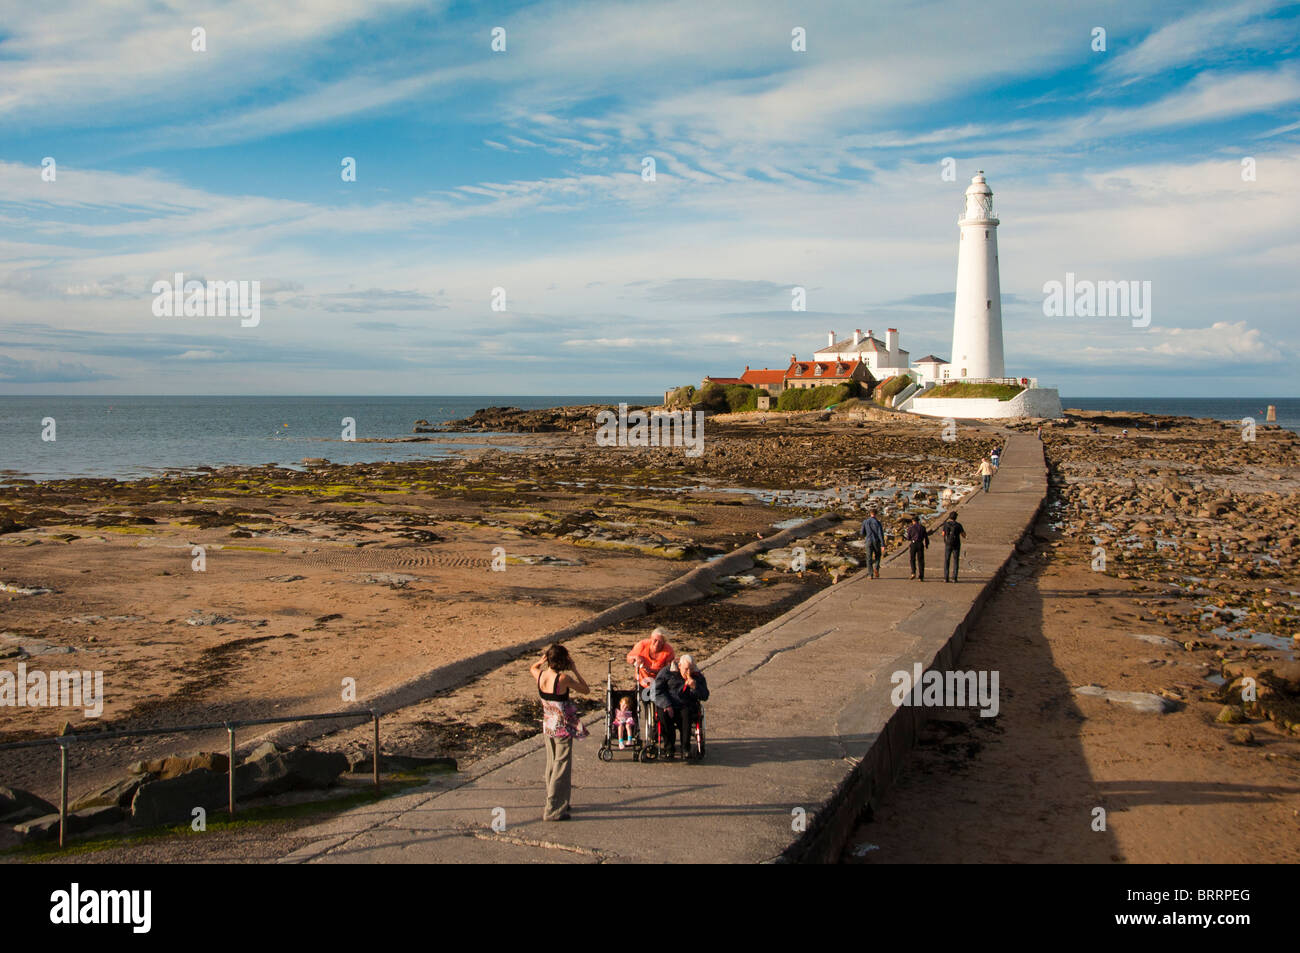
[{"x": 612, "y": 698}]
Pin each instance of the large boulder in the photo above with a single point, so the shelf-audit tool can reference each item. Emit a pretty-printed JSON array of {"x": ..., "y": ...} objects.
[
  {"x": 46, "y": 826},
  {"x": 118, "y": 794},
  {"x": 316, "y": 769},
  {"x": 18, "y": 805},
  {"x": 173, "y": 766},
  {"x": 173, "y": 800},
  {"x": 363, "y": 762},
  {"x": 270, "y": 770}
]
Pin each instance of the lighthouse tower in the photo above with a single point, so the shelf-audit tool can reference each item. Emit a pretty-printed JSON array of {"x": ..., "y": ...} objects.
[{"x": 977, "y": 318}]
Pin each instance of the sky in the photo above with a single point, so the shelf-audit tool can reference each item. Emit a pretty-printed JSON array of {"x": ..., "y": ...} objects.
[{"x": 1164, "y": 150}]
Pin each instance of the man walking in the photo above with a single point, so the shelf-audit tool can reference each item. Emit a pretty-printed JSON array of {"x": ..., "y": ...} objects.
[
  {"x": 986, "y": 472},
  {"x": 918, "y": 539},
  {"x": 952, "y": 533},
  {"x": 874, "y": 534}
]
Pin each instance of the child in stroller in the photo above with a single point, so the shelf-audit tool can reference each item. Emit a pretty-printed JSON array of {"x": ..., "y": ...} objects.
[
  {"x": 620, "y": 719},
  {"x": 625, "y": 722}
]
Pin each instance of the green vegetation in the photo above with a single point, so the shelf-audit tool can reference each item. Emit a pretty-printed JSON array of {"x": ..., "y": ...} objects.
[
  {"x": 816, "y": 398},
  {"x": 681, "y": 398},
  {"x": 891, "y": 387},
  {"x": 728, "y": 398},
  {"x": 219, "y": 820},
  {"x": 964, "y": 389}
]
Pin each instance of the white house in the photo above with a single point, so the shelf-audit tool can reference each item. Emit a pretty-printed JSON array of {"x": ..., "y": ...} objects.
[
  {"x": 931, "y": 369},
  {"x": 882, "y": 358}
]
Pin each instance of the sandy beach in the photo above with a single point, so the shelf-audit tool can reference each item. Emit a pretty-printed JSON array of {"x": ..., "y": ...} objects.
[
  {"x": 380, "y": 572},
  {"x": 1198, "y": 591}
]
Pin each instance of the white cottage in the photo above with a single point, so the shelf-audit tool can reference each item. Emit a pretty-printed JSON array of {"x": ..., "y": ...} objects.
[
  {"x": 931, "y": 369},
  {"x": 882, "y": 358}
]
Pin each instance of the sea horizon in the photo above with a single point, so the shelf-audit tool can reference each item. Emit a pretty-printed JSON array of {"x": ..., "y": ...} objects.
[{"x": 131, "y": 437}]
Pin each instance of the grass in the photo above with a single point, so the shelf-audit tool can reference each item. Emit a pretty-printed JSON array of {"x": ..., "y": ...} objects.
[
  {"x": 891, "y": 387},
  {"x": 964, "y": 389},
  {"x": 218, "y": 821}
]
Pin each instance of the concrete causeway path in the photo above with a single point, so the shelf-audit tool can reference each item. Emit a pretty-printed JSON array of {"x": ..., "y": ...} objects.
[{"x": 801, "y": 731}]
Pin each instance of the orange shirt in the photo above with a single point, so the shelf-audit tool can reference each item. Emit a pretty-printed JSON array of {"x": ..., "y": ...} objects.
[{"x": 652, "y": 660}]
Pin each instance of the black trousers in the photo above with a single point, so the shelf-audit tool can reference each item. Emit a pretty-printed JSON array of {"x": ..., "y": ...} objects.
[
  {"x": 916, "y": 555},
  {"x": 951, "y": 554},
  {"x": 679, "y": 724},
  {"x": 873, "y": 557}
]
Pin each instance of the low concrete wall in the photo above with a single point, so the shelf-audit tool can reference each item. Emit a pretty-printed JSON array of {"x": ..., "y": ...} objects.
[
  {"x": 1038, "y": 402},
  {"x": 692, "y": 586},
  {"x": 1031, "y": 402}
]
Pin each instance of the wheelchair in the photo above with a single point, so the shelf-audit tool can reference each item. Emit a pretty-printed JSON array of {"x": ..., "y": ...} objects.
[{"x": 658, "y": 731}]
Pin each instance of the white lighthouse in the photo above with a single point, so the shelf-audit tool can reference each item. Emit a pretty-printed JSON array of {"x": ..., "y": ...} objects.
[{"x": 977, "y": 317}]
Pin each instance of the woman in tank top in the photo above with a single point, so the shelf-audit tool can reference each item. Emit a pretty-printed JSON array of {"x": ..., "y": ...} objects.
[{"x": 556, "y": 676}]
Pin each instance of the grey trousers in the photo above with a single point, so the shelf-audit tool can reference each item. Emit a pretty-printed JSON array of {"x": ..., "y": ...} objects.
[{"x": 559, "y": 777}]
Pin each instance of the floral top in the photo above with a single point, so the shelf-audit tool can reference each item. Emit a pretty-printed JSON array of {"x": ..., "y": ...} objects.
[
  {"x": 560, "y": 720},
  {"x": 559, "y": 714}
]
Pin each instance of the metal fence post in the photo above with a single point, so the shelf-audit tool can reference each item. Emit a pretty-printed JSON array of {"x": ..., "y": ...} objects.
[
  {"x": 64, "y": 742},
  {"x": 63, "y": 789},
  {"x": 230, "y": 770}
]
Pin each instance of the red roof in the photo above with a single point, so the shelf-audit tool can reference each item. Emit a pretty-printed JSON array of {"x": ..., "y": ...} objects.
[
  {"x": 763, "y": 376},
  {"x": 724, "y": 380},
  {"x": 829, "y": 370}
]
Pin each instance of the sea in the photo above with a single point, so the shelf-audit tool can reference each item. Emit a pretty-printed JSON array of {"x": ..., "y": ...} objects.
[
  {"x": 1219, "y": 408},
  {"x": 133, "y": 437}
]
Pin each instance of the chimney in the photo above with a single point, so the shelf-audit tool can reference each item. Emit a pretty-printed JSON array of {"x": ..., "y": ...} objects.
[
  {"x": 793, "y": 359},
  {"x": 857, "y": 336},
  {"x": 830, "y": 338},
  {"x": 891, "y": 340}
]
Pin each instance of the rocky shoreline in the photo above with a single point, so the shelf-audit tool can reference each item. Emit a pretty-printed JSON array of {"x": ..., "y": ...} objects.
[
  {"x": 1199, "y": 521},
  {"x": 1207, "y": 523}
]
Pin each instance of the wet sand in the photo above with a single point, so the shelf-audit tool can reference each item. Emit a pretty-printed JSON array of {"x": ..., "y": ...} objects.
[
  {"x": 380, "y": 572},
  {"x": 1200, "y": 536}
]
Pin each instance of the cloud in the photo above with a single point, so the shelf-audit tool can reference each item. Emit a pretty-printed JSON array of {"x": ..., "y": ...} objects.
[
  {"x": 386, "y": 326},
  {"x": 200, "y": 355},
  {"x": 620, "y": 343},
  {"x": 715, "y": 289},
  {"x": 1211, "y": 33},
  {"x": 372, "y": 299},
  {"x": 14, "y": 371},
  {"x": 1224, "y": 341}
]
